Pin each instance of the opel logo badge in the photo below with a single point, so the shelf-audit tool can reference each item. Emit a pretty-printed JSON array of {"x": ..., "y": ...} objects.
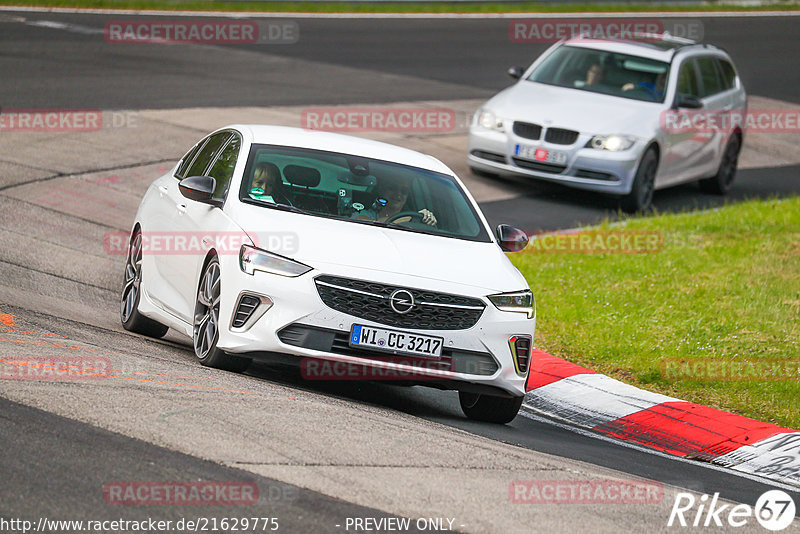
[{"x": 401, "y": 301}]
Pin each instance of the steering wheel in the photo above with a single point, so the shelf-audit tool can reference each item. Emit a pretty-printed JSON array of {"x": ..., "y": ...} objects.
[{"x": 400, "y": 215}]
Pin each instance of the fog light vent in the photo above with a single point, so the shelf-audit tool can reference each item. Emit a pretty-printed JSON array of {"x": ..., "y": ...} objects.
[
  {"x": 249, "y": 308},
  {"x": 521, "y": 353}
]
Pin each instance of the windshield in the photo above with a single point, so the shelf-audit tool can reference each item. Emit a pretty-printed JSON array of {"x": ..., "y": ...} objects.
[
  {"x": 361, "y": 190},
  {"x": 609, "y": 73}
]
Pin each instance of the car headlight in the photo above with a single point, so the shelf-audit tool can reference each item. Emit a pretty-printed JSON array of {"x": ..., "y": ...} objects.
[
  {"x": 253, "y": 259},
  {"x": 518, "y": 301},
  {"x": 490, "y": 121},
  {"x": 614, "y": 143}
]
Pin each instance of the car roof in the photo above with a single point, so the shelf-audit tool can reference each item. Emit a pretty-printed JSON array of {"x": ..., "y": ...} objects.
[
  {"x": 345, "y": 144},
  {"x": 661, "y": 47}
]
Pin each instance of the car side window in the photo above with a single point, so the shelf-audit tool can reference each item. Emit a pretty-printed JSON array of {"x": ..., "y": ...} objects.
[
  {"x": 708, "y": 74},
  {"x": 208, "y": 153},
  {"x": 728, "y": 73},
  {"x": 187, "y": 160},
  {"x": 222, "y": 170},
  {"x": 687, "y": 79}
]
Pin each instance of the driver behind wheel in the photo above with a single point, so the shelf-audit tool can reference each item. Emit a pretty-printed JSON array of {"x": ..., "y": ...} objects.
[{"x": 393, "y": 199}]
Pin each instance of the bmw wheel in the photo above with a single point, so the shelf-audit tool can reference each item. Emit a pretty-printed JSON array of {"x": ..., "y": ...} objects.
[
  {"x": 641, "y": 195},
  {"x": 721, "y": 182}
]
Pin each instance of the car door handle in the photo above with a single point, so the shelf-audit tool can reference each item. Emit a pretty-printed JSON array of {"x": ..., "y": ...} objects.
[
  {"x": 162, "y": 190},
  {"x": 181, "y": 208}
]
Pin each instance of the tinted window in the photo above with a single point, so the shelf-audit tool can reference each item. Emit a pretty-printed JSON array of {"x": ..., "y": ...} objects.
[
  {"x": 187, "y": 160},
  {"x": 708, "y": 73},
  {"x": 728, "y": 73},
  {"x": 359, "y": 189},
  {"x": 687, "y": 79},
  {"x": 599, "y": 71},
  {"x": 208, "y": 153},
  {"x": 222, "y": 171}
]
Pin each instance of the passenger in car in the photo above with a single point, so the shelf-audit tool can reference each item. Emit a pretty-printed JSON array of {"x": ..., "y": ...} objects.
[
  {"x": 266, "y": 184},
  {"x": 394, "y": 194}
]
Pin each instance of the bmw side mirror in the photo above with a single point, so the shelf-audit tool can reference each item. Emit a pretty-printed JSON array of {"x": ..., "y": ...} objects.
[
  {"x": 515, "y": 72},
  {"x": 200, "y": 189},
  {"x": 511, "y": 239},
  {"x": 687, "y": 102}
]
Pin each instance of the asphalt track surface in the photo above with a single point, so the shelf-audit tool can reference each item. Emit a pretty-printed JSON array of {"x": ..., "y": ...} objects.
[{"x": 45, "y": 67}]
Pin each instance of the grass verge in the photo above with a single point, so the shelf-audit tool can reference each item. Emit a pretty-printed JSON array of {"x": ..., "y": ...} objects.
[
  {"x": 402, "y": 7},
  {"x": 711, "y": 316}
]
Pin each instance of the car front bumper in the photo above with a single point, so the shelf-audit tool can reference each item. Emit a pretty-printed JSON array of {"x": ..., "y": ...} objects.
[
  {"x": 297, "y": 306},
  {"x": 585, "y": 168}
]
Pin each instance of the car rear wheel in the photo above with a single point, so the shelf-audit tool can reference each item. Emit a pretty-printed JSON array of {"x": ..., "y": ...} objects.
[
  {"x": 641, "y": 195},
  {"x": 131, "y": 319},
  {"x": 720, "y": 183},
  {"x": 489, "y": 408},
  {"x": 206, "y": 324}
]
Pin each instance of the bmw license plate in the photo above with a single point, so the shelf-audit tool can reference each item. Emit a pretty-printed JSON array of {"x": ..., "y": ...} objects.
[
  {"x": 541, "y": 154},
  {"x": 395, "y": 341}
]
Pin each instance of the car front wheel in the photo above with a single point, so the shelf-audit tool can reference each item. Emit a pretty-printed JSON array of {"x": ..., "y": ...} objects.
[
  {"x": 206, "y": 323},
  {"x": 641, "y": 195},
  {"x": 488, "y": 408}
]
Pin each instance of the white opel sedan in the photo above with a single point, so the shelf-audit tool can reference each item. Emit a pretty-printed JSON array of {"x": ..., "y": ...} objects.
[
  {"x": 617, "y": 116},
  {"x": 356, "y": 259}
]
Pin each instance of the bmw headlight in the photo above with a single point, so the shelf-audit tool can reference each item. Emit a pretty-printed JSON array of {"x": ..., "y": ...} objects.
[
  {"x": 253, "y": 259},
  {"x": 518, "y": 301},
  {"x": 490, "y": 121},
  {"x": 613, "y": 143}
]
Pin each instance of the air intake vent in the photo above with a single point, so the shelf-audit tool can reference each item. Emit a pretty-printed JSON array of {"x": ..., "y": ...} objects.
[
  {"x": 559, "y": 136},
  {"x": 527, "y": 130},
  {"x": 246, "y": 307}
]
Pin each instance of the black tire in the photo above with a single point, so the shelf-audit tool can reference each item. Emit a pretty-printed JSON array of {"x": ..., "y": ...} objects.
[
  {"x": 641, "y": 196},
  {"x": 488, "y": 408},
  {"x": 720, "y": 183},
  {"x": 129, "y": 315},
  {"x": 205, "y": 331}
]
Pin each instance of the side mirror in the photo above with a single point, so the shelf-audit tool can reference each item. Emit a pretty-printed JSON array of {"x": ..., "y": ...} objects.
[
  {"x": 687, "y": 102},
  {"x": 511, "y": 239},
  {"x": 515, "y": 72},
  {"x": 200, "y": 188}
]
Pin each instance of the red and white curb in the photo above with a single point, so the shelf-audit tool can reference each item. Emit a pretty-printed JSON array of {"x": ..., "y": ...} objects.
[{"x": 584, "y": 398}]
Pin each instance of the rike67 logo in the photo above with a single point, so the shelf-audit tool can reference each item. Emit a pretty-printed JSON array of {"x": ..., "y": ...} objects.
[{"x": 774, "y": 510}]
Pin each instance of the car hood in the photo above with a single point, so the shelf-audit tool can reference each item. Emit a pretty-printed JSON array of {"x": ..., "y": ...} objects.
[
  {"x": 348, "y": 247},
  {"x": 575, "y": 109}
]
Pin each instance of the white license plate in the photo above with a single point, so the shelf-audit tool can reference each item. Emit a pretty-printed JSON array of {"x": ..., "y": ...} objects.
[
  {"x": 541, "y": 154},
  {"x": 395, "y": 341}
]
